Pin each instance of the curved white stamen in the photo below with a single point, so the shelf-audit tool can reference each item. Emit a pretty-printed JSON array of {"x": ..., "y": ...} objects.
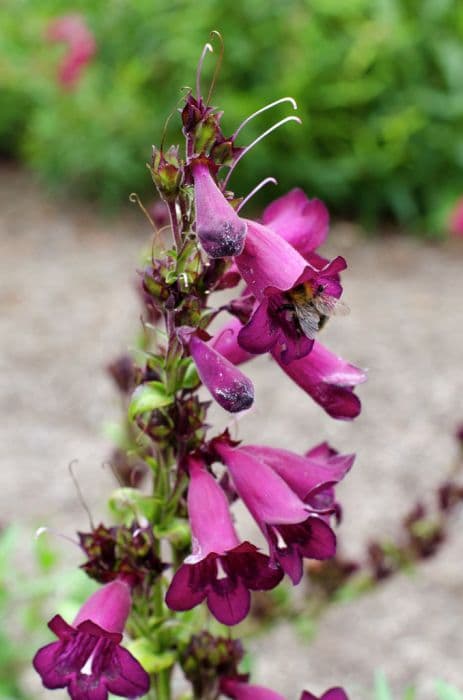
[
  {"x": 261, "y": 110},
  {"x": 256, "y": 141},
  {"x": 184, "y": 277},
  {"x": 256, "y": 190},
  {"x": 207, "y": 47},
  {"x": 218, "y": 65},
  {"x": 43, "y": 530}
]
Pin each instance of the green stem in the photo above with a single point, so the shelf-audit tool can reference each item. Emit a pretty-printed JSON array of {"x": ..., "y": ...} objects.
[
  {"x": 174, "y": 224},
  {"x": 161, "y": 690}
]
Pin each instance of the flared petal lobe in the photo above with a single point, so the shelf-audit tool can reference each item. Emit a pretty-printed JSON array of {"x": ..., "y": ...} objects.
[
  {"x": 301, "y": 221},
  {"x": 230, "y": 388},
  {"x": 220, "y": 230}
]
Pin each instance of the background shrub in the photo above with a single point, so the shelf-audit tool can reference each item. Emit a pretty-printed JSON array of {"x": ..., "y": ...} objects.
[{"x": 379, "y": 85}]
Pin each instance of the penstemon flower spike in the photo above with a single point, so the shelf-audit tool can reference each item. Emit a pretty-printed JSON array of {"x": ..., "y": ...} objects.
[{"x": 175, "y": 548}]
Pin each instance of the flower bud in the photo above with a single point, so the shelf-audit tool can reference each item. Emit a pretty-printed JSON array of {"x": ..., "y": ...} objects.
[
  {"x": 166, "y": 171},
  {"x": 220, "y": 230}
]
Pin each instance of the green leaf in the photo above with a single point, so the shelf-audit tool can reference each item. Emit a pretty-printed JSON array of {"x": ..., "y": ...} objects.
[
  {"x": 151, "y": 661},
  {"x": 148, "y": 397}
]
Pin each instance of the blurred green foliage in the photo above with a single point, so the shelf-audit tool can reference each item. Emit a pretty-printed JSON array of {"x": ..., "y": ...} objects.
[
  {"x": 33, "y": 587},
  {"x": 379, "y": 85}
]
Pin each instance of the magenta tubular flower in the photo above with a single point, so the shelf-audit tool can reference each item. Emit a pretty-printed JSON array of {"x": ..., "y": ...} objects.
[
  {"x": 301, "y": 221},
  {"x": 241, "y": 690},
  {"x": 230, "y": 388},
  {"x": 292, "y": 529},
  {"x": 289, "y": 291},
  {"x": 319, "y": 468},
  {"x": 72, "y": 30},
  {"x": 88, "y": 659},
  {"x": 221, "y": 569},
  {"x": 327, "y": 378},
  {"x": 220, "y": 230},
  {"x": 331, "y": 694}
]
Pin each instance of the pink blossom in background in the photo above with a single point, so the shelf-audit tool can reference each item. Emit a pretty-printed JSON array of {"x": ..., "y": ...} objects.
[
  {"x": 73, "y": 31},
  {"x": 456, "y": 219}
]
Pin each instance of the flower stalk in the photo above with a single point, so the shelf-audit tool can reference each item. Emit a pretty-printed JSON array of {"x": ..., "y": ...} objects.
[{"x": 177, "y": 546}]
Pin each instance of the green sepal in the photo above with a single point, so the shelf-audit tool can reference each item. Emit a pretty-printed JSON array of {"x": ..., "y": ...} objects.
[
  {"x": 187, "y": 374},
  {"x": 125, "y": 503},
  {"x": 176, "y": 531},
  {"x": 151, "y": 661},
  {"x": 148, "y": 397}
]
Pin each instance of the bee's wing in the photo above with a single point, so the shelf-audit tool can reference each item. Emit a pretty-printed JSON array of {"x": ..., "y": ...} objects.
[
  {"x": 309, "y": 319},
  {"x": 330, "y": 306}
]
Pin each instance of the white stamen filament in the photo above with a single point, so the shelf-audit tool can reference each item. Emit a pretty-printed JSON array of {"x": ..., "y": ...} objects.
[
  {"x": 220, "y": 571},
  {"x": 87, "y": 667},
  {"x": 256, "y": 190},
  {"x": 256, "y": 141},
  {"x": 184, "y": 276},
  {"x": 42, "y": 530},
  {"x": 261, "y": 110},
  {"x": 207, "y": 47},
  {"x": 281, "y": 544}
]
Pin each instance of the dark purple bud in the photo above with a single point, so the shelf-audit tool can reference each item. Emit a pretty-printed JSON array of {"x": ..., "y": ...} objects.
[
  {"x": 228, "y": 385},
  {"x": 220, "y": 230},
  {"x": 206, "y": 659},
  {"x": 121, "y": 552},
  {"x": 122, "y": 371},
  {"x": 449, "y": 495}
]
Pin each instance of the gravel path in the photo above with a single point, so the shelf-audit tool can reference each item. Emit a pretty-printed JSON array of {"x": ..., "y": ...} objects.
[{"x": 68, "y": 306}]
